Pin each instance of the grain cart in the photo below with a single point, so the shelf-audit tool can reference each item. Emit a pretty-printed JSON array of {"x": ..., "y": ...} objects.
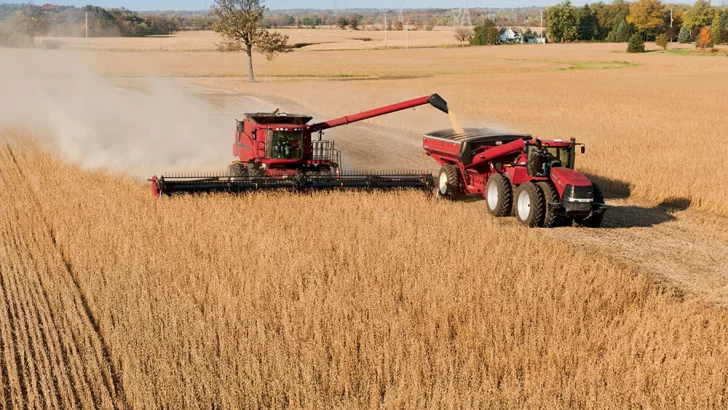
[
  {"x": 278, "y": 151},
  {"x": 534, "y": 180}
]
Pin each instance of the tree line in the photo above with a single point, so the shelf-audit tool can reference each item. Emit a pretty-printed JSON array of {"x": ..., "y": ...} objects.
[
  {"x": 618, "y": 21},
  {"x": 19, "y": 23}
]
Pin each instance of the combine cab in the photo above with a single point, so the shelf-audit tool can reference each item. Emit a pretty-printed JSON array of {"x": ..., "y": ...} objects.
[
  {"x": 532, "y": 179},
  {"x": 280, "y": 151}
]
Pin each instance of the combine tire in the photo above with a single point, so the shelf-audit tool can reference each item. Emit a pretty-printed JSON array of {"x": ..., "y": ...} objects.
[
  {"x": 236, "y": 170},
  {"x": 447, "y": 182},
  {"x": 551, "y": 196},
  {"x": 499, "y": 195},
  {"x": 530, "y": 205},
  {"x": 593, "y": 220}
]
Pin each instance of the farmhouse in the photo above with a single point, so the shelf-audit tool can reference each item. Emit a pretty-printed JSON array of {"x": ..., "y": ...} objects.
[{"x": 510, "y": 35}]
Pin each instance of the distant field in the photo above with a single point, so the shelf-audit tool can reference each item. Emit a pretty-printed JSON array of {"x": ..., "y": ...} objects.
[{"x": 113, "y": 299}]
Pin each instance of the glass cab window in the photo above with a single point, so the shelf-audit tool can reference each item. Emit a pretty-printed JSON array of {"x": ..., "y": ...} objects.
[{"x": 285, "y": 145}]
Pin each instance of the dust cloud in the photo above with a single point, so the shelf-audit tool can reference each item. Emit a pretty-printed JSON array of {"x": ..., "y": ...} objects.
[{"x": 138, "y": 127}]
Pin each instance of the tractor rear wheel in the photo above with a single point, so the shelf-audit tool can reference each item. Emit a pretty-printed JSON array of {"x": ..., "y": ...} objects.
[
  {"x": 499, "y": 195},
  {"x": 593, "y": 220},
  {"x": 551, "y": 196},
  {"x": 530, "y": 205},
  {"x": 447, "y": 182}
]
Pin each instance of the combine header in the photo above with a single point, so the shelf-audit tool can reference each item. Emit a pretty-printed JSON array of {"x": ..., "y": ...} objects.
[{"x": 278, "y": 151}]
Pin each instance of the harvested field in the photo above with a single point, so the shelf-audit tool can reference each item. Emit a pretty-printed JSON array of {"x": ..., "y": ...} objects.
[{"x": 116, "y": 300}]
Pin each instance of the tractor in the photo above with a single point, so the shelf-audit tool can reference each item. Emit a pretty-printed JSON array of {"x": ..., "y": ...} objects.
[{"x": 518, "y": 175}]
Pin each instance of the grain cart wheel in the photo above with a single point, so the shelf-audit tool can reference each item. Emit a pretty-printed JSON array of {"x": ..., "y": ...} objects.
[
  {"x": 530, "y": 205},
  {"x": 593, "y": 220},
  {"x": 551, "y": 196},
  {"x": 499, "y": 195},
  {"x": 447, "y": 182}
]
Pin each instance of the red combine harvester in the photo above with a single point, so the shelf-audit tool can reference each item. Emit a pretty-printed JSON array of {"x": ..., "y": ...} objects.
[
  {"x": 276, "y": 151},
  {"x": 533, "y": 179}
]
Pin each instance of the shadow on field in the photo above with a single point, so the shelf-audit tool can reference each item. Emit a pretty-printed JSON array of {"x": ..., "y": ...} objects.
[
  {"x": 630, "y": 216},
  {"x": 612, "y": 188}
]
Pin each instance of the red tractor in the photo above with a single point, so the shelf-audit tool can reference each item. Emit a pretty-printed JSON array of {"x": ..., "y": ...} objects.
[
  {"x": 532, "y": 179},
  {"x": 277, "y": 151}
]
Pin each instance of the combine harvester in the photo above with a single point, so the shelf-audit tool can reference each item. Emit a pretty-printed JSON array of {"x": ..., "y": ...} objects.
[
  {"x": 277, "y": 151},
  {"x": 531, "y": 179}
]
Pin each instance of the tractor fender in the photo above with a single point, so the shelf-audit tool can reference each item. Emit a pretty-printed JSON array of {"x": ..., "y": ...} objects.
[{"x": 561, "y": 177}]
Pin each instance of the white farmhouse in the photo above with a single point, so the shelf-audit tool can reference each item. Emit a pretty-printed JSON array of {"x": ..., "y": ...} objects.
[{"x": 510, "y": 35}]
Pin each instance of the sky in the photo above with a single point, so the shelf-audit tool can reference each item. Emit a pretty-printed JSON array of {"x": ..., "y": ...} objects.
[{"x": 298, "y": 4}]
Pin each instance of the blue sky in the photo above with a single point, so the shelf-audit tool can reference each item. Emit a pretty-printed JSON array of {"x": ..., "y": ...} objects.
[{"x": 291, "y": 4}]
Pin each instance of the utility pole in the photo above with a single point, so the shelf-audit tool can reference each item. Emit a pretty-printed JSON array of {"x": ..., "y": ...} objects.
[
  {"x": 672, "y": 34},
  {"x": 542, "y": 23},
  {"x": 87, "y": 30},
  {"x": 406, "y": 36},
  {"x": 385, "y": 29}
]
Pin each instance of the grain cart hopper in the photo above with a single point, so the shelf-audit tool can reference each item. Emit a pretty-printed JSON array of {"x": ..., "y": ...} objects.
[
  {"x": 517, "y": 174},
  {"x": 279, "y": 151}
]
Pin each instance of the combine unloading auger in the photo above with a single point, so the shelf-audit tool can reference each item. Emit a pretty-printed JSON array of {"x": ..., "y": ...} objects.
[{"x": 276, "y": 151}]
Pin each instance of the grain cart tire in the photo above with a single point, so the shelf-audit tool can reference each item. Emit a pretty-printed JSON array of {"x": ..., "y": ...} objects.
[
  {"x": 447, "y": 182},
  {"x": 551, "y": 196},
  {"x": 499, "y": 195},
  {"x": 593, "y": 220},
  {"x": 530, "y": 205}
]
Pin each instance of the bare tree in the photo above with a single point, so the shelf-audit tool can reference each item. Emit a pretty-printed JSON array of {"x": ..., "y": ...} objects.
[
  {"x": 238, "y": 22},
  {"x": 463, "y": 34}
]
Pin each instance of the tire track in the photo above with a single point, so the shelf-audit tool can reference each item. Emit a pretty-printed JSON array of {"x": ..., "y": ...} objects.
[{"x": 112, "y": 379}]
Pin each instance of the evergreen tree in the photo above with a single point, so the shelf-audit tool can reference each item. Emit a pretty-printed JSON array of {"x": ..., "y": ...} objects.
[
  {"x": 623, "y": 32},
  {"x": 716, "y": 27},
  {"x": 636, "y": 44},
  {"x": 684, "y": 36}
]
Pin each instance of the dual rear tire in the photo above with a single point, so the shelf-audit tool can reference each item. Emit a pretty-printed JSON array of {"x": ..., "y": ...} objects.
[{"x": 529, "y": 204}]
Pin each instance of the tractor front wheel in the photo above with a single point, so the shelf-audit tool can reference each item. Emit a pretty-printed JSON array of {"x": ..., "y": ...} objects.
[
  {"x": 593, "y": 220},
  {"x": 447, "y": 182},
  {"x": 499, "y": 195},
  {"x": 530, "y": 205}
]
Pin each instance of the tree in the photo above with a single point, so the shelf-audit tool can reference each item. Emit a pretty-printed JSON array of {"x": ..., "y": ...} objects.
[
  {"x": 239, "y": 24},
  {"x": 700, "y": 15},
  {"x": 647, "y": 16},
  {"x": 715, "y": 28},
  {"x": 562, "y": 22},
  {"x": 661, "y": 41},
  {"x": 636, "y": 44},
  {"x": 621, "y": 34},
  {"x": 684, "y": 36},
  {"x": 486, "y": 33},
  {"x": 610, "y": 17},
  {"x": 463, "y": 34},
  {"x": 354, "y": 21},
  {"x": 705, "y": 39},
  {"x": 342, "y": 22},
  {"x": 588, "y": 24}
]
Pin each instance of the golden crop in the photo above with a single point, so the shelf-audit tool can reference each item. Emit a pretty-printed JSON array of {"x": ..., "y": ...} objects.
[{"x": 328, "y": 300}]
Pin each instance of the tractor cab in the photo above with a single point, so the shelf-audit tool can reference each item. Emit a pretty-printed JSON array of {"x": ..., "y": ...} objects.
[{"x": 542, "y": 156}]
